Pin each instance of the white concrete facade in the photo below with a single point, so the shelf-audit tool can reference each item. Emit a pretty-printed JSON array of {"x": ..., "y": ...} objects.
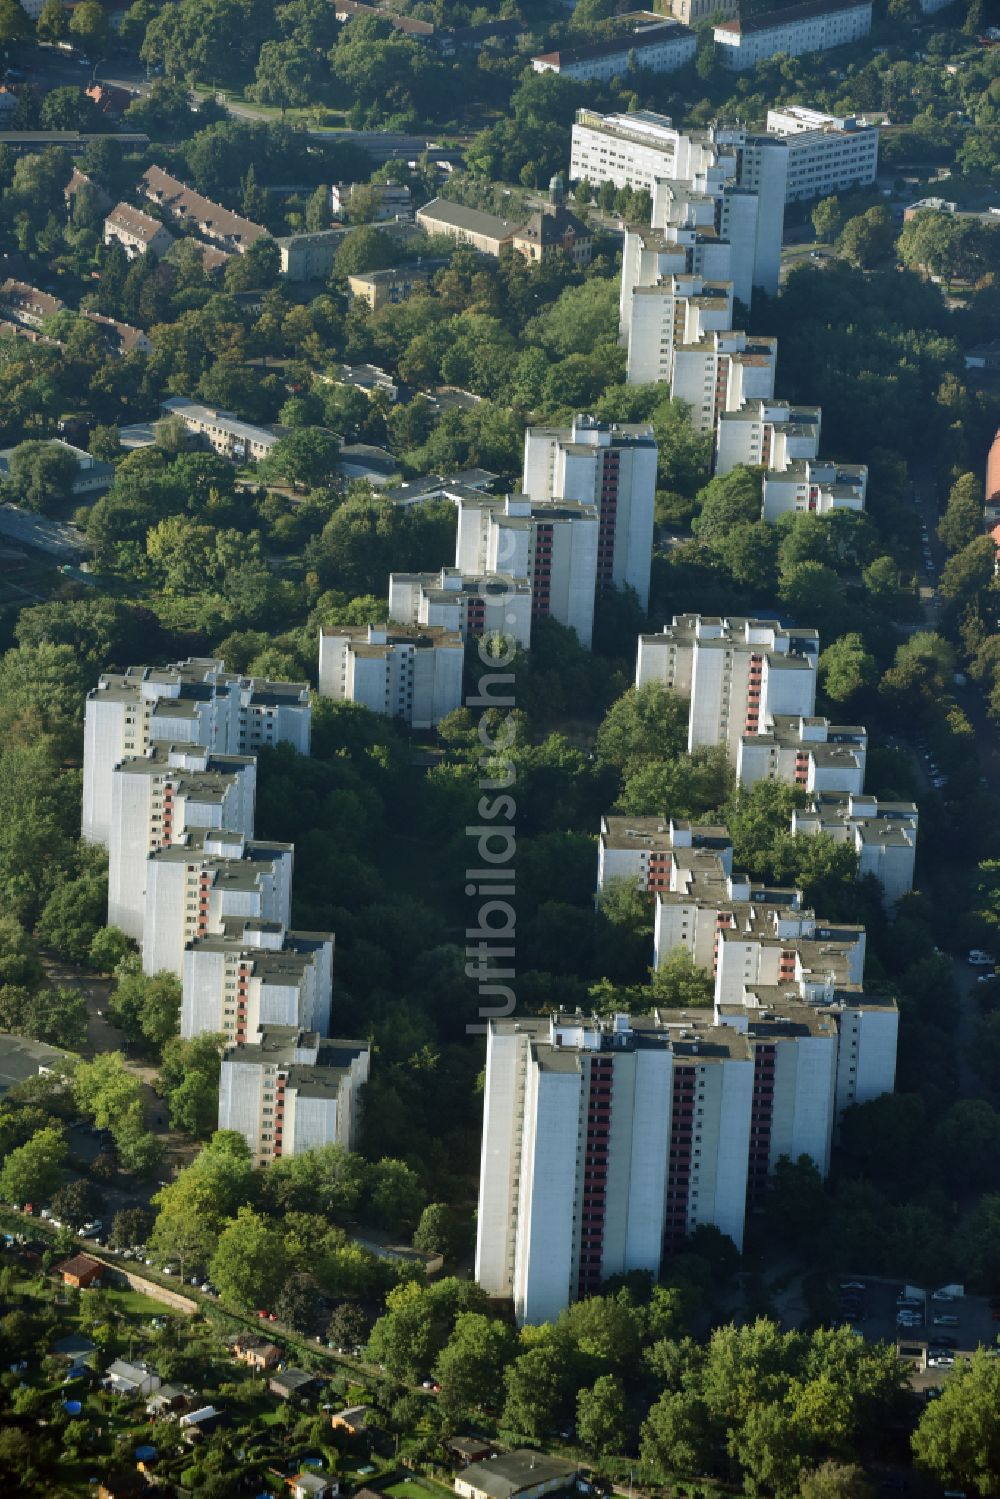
[
  {"x": 768, "y": 434},
  {"x": 883, "y": 834},
  {"x": 192, "y": 702},
  {"x": 813, "y": 27},
  {"x": 209, "y": 876},
  {"x": 463, "y": 604},
  {"x": 737, "y": 673},
  {"x": 291, "y": 1091},
  {"x": 157, "y": 798},
  {"x": 611, "y": 468},
  {"x": 807, "y": 752},
  {"x": 412, "y": 674},
  {"x": 552, "y": 545},
  {"x": 257, "y": 974},
  {"x": 826, "y": 153}
]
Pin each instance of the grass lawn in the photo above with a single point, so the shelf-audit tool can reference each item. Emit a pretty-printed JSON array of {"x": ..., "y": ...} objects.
[
  {"x": 409, "y": 1488},
  {"x": 135, "y": 1304}
]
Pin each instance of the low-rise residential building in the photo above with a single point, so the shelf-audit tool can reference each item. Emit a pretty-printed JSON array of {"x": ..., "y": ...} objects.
[
  {"x": 256, "y": 974},
  {"x": 383, "y": 288},
  {"x": 470, "y": 481},
  {"x": 408, "y": 672},
  {"x": 27, "y": 305},
  {"x": 92, "y": 475},
  {"x": 469, "y": 226},
  {"x": 78, "y": 180},
  {"x": 131, "y": 1378},
  {"x": 883, "y": 834},
  {"x": 21, "y": 1059},
  {"x": 738, "y": 674},
  {"x": 292, "y": 1091},
  {"x": 309, "y": 257},
  {"x": 804, "y": 751},
  {"x": 813, "y": 27},
  {"x": 257, "y": 1352},
  {"x": 655, "y": 45},
  {"x": 81, "y": 1272},
  {"x": 223, "y": 431},
  {"x": 553, "y": 230},
  {"x": 155, "y": 799},
  {"x": 138, "y": 233},
  {"x": 121, "y": 338},
  {"x": 826, "y": 153},
  {"x": 394, "y": 199},
  {"x": 194, "y": 212},
  {"x": 208, "y": 877},
  {"x": 552, "y": 545},
  {"x": 185, "y": 703},
  {"x": 462, "y": 603},
  {"x": 515, "y": 1475},
  {"x": 813, "y": 486}
]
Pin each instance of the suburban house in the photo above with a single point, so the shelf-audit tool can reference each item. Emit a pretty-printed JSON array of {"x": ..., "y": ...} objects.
[
  {"x": 81, "y": 1272},
  {"x": 521, "y": 1474},
  {"x": 131, "y": 1379},
  {"x": 312, "y": 1483},
  {"x": 200, "y": 214},
  {"x": 296, "y": 1384},
  {"x": 26, "y": 304},
  {"x": 256, "y": 1352},
  {"x": 353, "y": 1419}
]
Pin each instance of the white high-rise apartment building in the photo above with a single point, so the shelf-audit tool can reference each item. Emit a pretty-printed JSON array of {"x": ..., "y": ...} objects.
[
  {"x": 722, "y": 371},
  {"x": 807, "y": 752},
  {"x": 768, "y": 434},
  {"x": 883, "y": 834},
  {"x": 155, "y": 799},
  {"x": 209, "y": 875},
  {"x": 644, "y": 850},
  {"x": 675, "y": 310},
  {"x": 767, "y": 953},
  {"x": 603, "y": 1143},
  {"x": 551, "y": 544},
  {"x": 813, "y": 27},
  {"x": 743, "y": 175},
  {"x": 291, "y": 1091},
  {"x": 610, "y": 467},
  {"x": 188, "y": 702},
  {"x": 464, "y": 605},
  {"x": 826, "y": 153},
  {"x": 256, "y": 974},
  {"x": 813, "y": 486},
  {"x": 409, "y": 672},
  {"x": 738, "y": 674}
]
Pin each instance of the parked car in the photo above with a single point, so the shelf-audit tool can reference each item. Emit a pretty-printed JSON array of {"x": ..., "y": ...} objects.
[
  {"x": 944, "y": 1319},
  {"x": 980, "y": 959},
  {"x": 942, "y": 1296}
]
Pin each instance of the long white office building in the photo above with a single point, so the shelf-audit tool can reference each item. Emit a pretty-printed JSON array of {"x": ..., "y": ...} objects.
[
  {"x": 610, "y": 467},
  {"x": 813, "y": 27},
  {"x": 254, "y": 974},
  {"x": 204, "y": 878},
  {"x": 462, "y": 604},
  {"x": 826, "y": 153},
  {"x": 291, "y": 1091},
  {"x": 155, "y": 799},
  {"x": 413, "y": 673},
  {"x": 738, "y": 674},
  {"x": 192, "y": 702},
  {"x": 551, "y": 544}
]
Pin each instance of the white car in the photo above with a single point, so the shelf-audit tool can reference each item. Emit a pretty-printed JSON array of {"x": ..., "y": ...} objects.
[
  {"x": 941, "y": 1361},
  {"x": 980, "y": 959}
]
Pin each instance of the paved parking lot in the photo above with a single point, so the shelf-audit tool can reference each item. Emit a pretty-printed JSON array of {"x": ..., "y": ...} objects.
[{"x": 956, "y": 1327}]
